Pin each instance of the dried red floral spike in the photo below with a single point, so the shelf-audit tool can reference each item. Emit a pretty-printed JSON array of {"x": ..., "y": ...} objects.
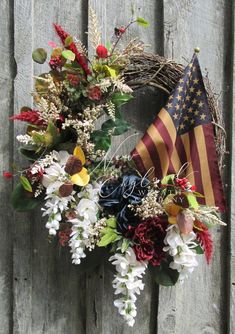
[
  {"x": 29, "y": 116},
  {"x": 205, "y": 239},
  {"x": 72, "y": 47}
]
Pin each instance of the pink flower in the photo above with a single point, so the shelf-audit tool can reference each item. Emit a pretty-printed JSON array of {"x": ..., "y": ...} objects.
[{"x": 101, "y": 51}]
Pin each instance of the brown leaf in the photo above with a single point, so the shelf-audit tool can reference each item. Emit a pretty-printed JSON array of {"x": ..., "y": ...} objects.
[
  {"x": 73, "y": 165},
  {"x": 66, "y": 189}
]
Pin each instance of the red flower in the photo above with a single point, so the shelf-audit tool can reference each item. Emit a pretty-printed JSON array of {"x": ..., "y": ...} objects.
[
  {"x": 72, "y": 47},
  {"x": 7, "y": 175},
  {"x": 148, "y": 237},
  {"x": 205, "y": 239},
  {"x": 73, "y": 79},
  {"x": 56, "y": 63},
  {"x": 101, "y": 51},
  {"x": 94, "y": 93},
  {"x": 30, "y": 116}
]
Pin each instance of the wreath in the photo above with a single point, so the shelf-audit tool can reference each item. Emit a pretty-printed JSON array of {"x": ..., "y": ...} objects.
[{"x": 91, "y": 201}]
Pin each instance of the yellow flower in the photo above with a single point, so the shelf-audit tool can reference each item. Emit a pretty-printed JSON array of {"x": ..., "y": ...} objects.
[
  {"x": 82, "y": 177},
  {"x": 171, "y": 208}
]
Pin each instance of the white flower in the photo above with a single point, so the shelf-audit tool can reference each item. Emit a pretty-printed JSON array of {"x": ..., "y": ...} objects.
[
  {"x": 55, "y": 175},
  {"x": 128, "y": 282},
  {"x": 182, "y": 248},
  {"x": 54, "y": 207},
  {"x": 87, "y": 210}
]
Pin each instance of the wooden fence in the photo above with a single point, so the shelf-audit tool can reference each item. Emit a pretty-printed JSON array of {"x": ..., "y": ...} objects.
[{"x": 40, "y": 290}]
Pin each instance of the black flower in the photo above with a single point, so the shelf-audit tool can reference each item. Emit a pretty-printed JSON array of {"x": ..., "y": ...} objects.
[{"x": 116, "y": 195}]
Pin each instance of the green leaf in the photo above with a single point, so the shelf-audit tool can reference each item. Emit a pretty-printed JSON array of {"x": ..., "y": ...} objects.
[
  {"x": 38, "y": 138},
  {"x": 26, "y": 184},
  {"x": 101, "y": 140},
  {"x": 163, "y": 275},
  {"x": 54, "y": 136},
  {"x": 112, "y": 222},
  {"x": 107, "y": 230},
  {"x": 195, "y": 193},
  {"x": 142, "y": 22},
  {"x": 125, "y": 245},
  {"x": 199, "y": 249},
  {"x": 117, "y": 127},
  {"x": 119, "y": 99},
  {"x": 68, "y": 41},
  {"x": 67, "y": 54},
  {"x": 41, "y": 84},
  {"x": 108, "y": 45},
  {"x": 192, "y": 201},
  {"x": 107, "y": 239},
  {"x": 28, "y": 152},
  {"x": 168, "y": 179},
  {"x": 39, "y": 55},
  {"x": 23, "y": 200}
]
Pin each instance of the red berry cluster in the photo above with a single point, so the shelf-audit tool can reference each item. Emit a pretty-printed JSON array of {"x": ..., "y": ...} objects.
[{"x": 184, "y": 184}]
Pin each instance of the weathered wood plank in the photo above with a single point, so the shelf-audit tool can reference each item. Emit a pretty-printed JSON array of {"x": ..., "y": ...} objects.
[
  {"x": 231, "y": 55},
  {"x": 49, "y": 292},
  {"x": 6, "y": 133},
  {"x": 197, "y": 306},
  {"x": 140, "y": 111}
]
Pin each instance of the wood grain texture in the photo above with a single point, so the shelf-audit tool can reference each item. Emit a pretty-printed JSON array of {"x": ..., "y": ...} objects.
[
  {"x": 6, "y": 134},
  {"x": 41, "y": 292},
  {"x": 231, "y": 75},
  {"x": 105, "y": 318},
  {"x": 49, "y": 291},
  {"x": 199, "y": 305}
]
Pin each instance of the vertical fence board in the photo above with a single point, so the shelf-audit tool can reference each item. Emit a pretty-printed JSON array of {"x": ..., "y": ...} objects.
[
  {"x": 113, "y": 14},
  {"x": 232, "y": 179},
  {"x": 198, "y": 305},
  {"x": 50, "y": 295},
  {"x": 6, "y": 134},
  {"x": 49, "y": 291}
]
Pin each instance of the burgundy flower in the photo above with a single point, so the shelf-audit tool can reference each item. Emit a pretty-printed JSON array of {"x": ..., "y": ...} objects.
[
  {"x": 94, "y": 93},
  {"x": 73, "y": 79},
  {"x": 148, "y": 237},
  {"x": 101, "y": 51}
]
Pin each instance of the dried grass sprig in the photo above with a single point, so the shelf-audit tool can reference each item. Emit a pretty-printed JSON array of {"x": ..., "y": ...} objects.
[{"x": 94, "y": 34}]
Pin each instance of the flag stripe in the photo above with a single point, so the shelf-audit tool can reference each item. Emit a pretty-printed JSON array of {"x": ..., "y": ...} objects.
[
  {"x": 189, "y": 170},
  {"x": 180, "y": 150},
  {"x": 196, "y": 163},
  {"x": 138, "y": 161},
  {"x": 144, "y": 155},
  {"x": 153, "y": 154},
  {"x": 161, "y": 149},
  {"x": 213, "y": 167},
  {"x": 169, "y": 136},
  {"x": 205, "y": 170}
]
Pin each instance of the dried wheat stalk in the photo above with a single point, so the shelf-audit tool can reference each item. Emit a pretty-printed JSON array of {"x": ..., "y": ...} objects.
[{"x": 94, "y": 34}]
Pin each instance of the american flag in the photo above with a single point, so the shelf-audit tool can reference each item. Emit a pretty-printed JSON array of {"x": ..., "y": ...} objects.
[{"x": 182, "y": 134}]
